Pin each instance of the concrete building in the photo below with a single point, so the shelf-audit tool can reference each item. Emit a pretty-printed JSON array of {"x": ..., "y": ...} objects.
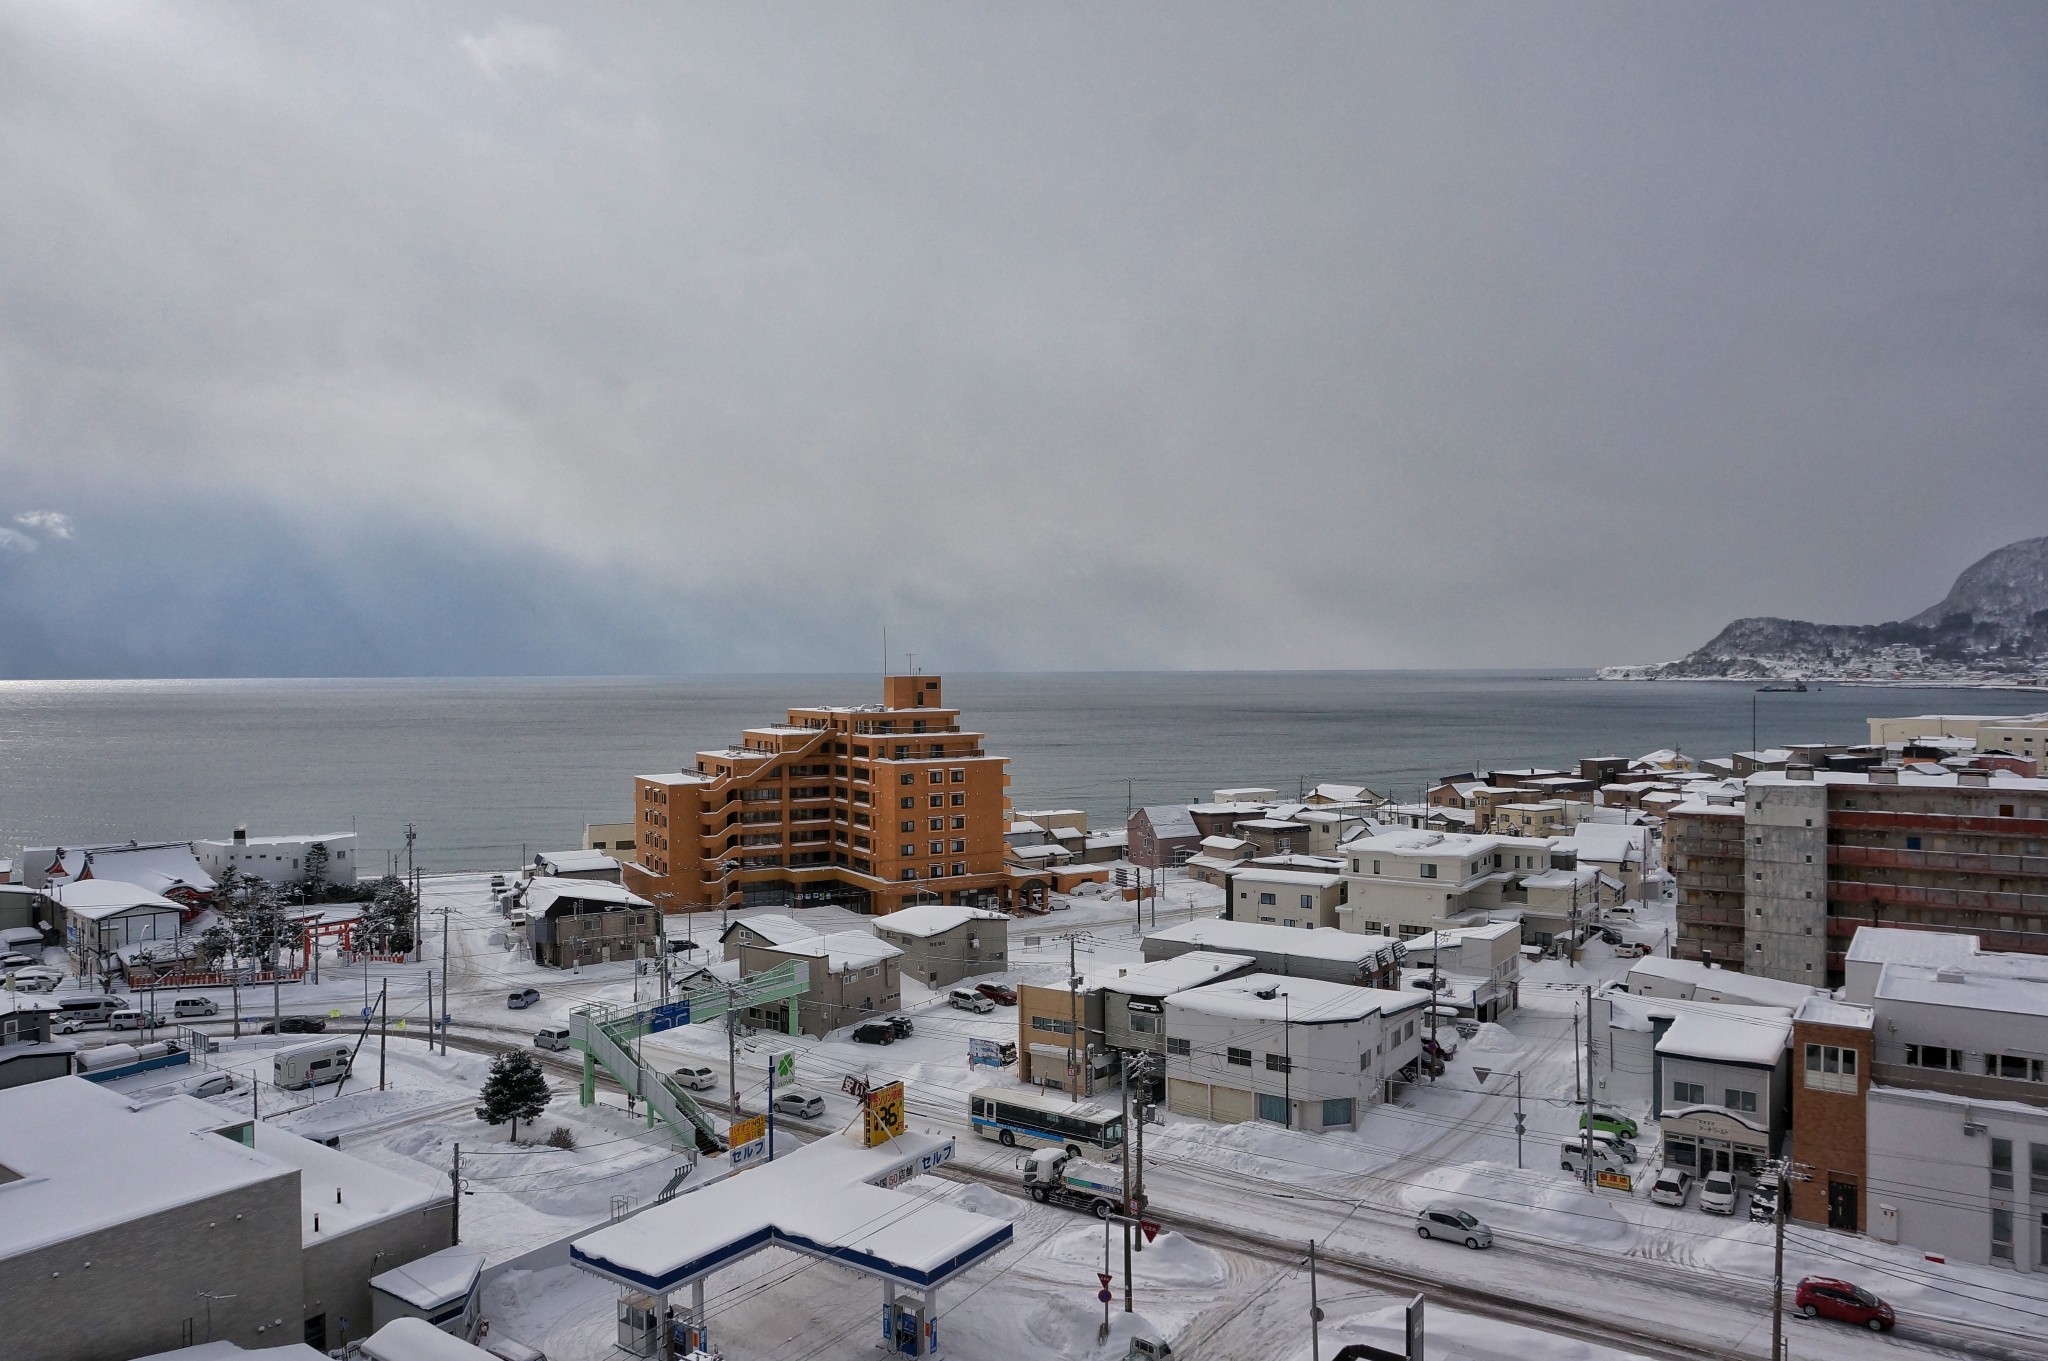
[
  {"x": 1287, "y": 897},
  {"x": 1333, "y": 956},
  {"x": 1405, "y": 883},
  {"x": 853, "y": 978},
  {"x": 2003, "y": 728},
  {"x": 571, "y": 922},
  {"x": 1060, "y": 1038},
  {"x": 1826, "y": 853},
  {"x": 1704, "y": 848},
  {"x": 621, "y": 840},
  {"x": 103, "y": 917},
  {"x": 1134, "y": 999},
  {"x": 768, "y": 930},
  {"x": 1688, "y": 980},
  {"x": 1482, "y": 963},
  {"x": 193, "y": 1220},
  {"x": 1716, "y": 1076},
  {"x": 278, "y": 859},
  {"x": 1299, "y": 1052},
  {"x": 944, "y": 943},
  {"x": 1832, "y": 1052},
  {"x": 1161, "y": 836},
  {"x": 28, "y": 1050},
  {"x": 872, "y": 807}
]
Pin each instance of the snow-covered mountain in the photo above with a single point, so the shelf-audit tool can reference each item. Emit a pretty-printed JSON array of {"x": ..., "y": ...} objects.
[{"x": 1993, "y": 624}]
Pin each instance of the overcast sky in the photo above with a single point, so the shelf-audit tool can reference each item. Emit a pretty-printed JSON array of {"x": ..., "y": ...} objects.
[{"x": 364, "y": 339}]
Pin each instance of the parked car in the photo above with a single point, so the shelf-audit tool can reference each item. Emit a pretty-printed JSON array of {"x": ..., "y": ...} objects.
[
  {"x": 1763, "y": 1202},
  {"x": 1631, "y": 949},
  {"x": 1440, "y": 1220},
  {"x": 1828, "y": 1298},
  {"x": 132, "y": 1019},
  {"x": 15, "y": 959},
  {"x": 803, "y": 1105},
  {"x": 697, "y": 1077},
  {"x": 522, "y": 999},
  {"x": 192, "y": 1008},
  {"x": 1610, "y": 935},
  {"x": 900, "y": 1027},
  {"x": 874, "y": 1032},
  {"x": 1717, "y": 1193},
  {"x": 967, "y": 1000},
  {"x": 295, "y": 1025},
  {"x": 213, "y": 1084},
  {"x": 1672, "y": 1187},
  {"x": 497, "y": 883},
  {"x": 1607, "y": 1120},
  {"x": 552, "y": 1037},
  {"x": 997, "y": 993}
]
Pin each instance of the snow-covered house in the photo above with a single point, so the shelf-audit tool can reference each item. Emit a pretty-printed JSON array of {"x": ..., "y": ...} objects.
[
  {"x": 1134, "y": 998},
  {"x": 102, "y": 917},
  {"x": 168, "y": 868},
  {"x": 572, "y": 922},
  {"x": 942, "y": 943},
  {"x": 595, "y": 866},
  {"x": 28, "y": 1053},
  {"x": 768, "y": 930},
  {"x": 853, "y": 978},
  {"x": 278, "y": 859},
  {"x": 1334, "y": 956},
  {"x": 1298, "y": 1052},
  {"x": 1483, "y": 962},
  {"x": 1162, "y": 835},
  {"x": 1288, "y": 897},
  {"x": 176, "y": 1200}
]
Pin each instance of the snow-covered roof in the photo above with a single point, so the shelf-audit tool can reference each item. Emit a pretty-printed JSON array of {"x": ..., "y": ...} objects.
[
  {"x": 18, "y": 1003},
  {"x": 98, "y": 899},
  {"x": 575, "y": 862},
  {"x": 679, "y": 777},
  {"x": 1973, "y": 989},
  {"x": 1297, "y": 878},
  {"x": 1930, "y": 777},
  {"x": 1342, "y": 793},
  {"x": 1708, "y": 984},
  {"x": 843, "y": 950},
  {"x": 1038, "y": 852},
  {"x": 90, "y": 1159},
  {"x": 772, "y": 927},
  {"x": 1226, "y": 843},
  {"x": 305, "y": 839},
  {"x": 1408, "y": 841},
  {"x": 931, "y": 919},
  {"x": 822, "y": 1200},
  {"x": 1714, "y": 1034},
  {"x": 1298, "y": 1001},
  {"x": 1827, "y": 1011},
  {"x": 433, "y": 1280},
  {"x": 415, "y": 1339},
  {"x": 544, "y": 891},
  {"x": 1583, "y": 876},
  {"x": 1025, "y": 826},
  {"x": 222, "y": 1350},
  {"x": 1344, "y": 947},
  {"x": 1190, "y": 970},
  {"x": 1229, "y": 808},
  {"x": 1898, "y": 944},
  {"x": 1275, "y": 824},
  {"x": 1170, "y": 819}
]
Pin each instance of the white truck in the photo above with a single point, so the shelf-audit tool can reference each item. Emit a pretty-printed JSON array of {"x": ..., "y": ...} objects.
[{"x": 1054, "y": 1176}]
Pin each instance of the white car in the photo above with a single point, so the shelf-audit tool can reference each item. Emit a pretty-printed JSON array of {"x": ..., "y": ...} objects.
[
  {"x": 803, "y": 1105},
  {"x": 696, "y": 1076},
  {"x": 1672, "y": 1187},
  {"x": 1717, "y": 1193},
  {"x": 213, "y": 1084},
  {"x": 967, "y": 1000},
  {"x": 1441, "y": 1220}
]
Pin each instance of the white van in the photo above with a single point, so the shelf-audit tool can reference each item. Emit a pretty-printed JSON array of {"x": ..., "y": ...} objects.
[
  {"x": 310, "y": 1065},
  {"x": 191, "y": 1008},
  {"x": 1622, "y": 1147},
  {"x": 1573, "y": 1158},
  {"x": 551, "y": 1037},
  {"x": 76, "y": 1013},
  {"x": 35, "y": 979}
]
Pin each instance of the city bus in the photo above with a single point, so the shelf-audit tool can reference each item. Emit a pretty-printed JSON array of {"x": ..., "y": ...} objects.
[{"x": 1019, "y": 1115}]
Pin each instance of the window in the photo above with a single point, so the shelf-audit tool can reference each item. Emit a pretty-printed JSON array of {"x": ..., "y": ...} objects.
[
  {"x": 1688, "y": 1094},
  {"x": 1830, "y": 1068},
  {"x": 959, "y": 847},
  {"x": 1337, "y": 1111},
  {"x": 1143, "y": 1024},
  {"x": 1178, "y": 1046},
  {"x": 959, "y": 800},
  {"x": 1308, "y": 902},
  {"x": 1278, "y": 1063},
  {"x": 958, "y": 776},
  {"x": 908, "y": 873},
  {"x": 938, "y": 777},
  {"x": 959, "y": 868},
  {"x": 2001, "y": 1164},
  {"x": 1739, "y": 1100},
  {"x": 909, "y": 825},
  {"x": 906, "y": 849},
  {"x": 907, "y": 777},
  {"x": 2037, "y": 1173},
  {"x": 2001, "y": 1234},
  {"x": 1934, "y": 1056},
  {"x": 959, "y": 824},
  {"x": 936, "y": 824},
  {"x": 1240, "y": 1057},
  {"x": 1375, "y": 867},
  {"x": 938, "y": 800},
  {"x": 909, "y": 803},
  {"x": 1052, "y": 1025},
  {"x": 1912, "y": 843},
  {"x": 1428, "y": 871},
  {"x": 938, "y": 848},
  {"x": 935, "y": 871},
  {"x": 1364, "y": 1062},
  {"x": 1268, "y": 899},
  {"x": 2013, "y": 1066},
  {"x": 1273, "y": 1108}
]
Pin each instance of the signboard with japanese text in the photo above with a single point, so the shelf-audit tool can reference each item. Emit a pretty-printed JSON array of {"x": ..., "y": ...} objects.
[
  {"x": 748, "y": 1139},
  {"x": 984, "y": 1053},
  {"x": 1615, "y": 1181},
  {"x": 882, "y": 1113}
]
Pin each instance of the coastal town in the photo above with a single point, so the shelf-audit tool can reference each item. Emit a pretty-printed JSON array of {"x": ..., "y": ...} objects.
[{"x": 818, "y": 1047}]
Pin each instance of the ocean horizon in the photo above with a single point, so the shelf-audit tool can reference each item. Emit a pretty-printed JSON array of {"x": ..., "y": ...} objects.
[{"x": 490, "y": 768}]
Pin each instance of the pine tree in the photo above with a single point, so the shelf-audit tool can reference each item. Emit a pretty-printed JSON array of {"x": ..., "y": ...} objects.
[
  {"x": 388, "y": 916},
  {"x": 316, "y": 862},
  {"x": 515, "y": 1090}
]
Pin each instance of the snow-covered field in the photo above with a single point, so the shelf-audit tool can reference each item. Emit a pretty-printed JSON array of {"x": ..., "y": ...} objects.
[{"x": 1354, "y": 1192}]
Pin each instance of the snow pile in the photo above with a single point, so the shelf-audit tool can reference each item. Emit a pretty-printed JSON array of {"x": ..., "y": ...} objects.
[
  {"x": 1171, "y": 1260},
  {"x": 1493, "y": 1039}
]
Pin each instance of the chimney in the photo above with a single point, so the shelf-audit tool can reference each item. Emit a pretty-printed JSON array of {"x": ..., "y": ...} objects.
[
  {"x": 1975, "y": 779},
  {"x": 242, "y": 835},
  {"x": 1884, "y": 774},
  {"x": 1799, "y": 772}
]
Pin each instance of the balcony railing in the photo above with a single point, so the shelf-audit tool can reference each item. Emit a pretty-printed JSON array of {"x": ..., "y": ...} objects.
[{"x": 1953, "y": 862}]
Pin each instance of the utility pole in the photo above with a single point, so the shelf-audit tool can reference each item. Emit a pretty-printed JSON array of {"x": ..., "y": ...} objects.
[
  {"x": 235, "y": 979},
  {"x": 412, "y": 885},
  {"x": 455, "y": 1184},
  {"x": 446, "y": 1009},
  {"x": 1587, "y": 1118},
  {"x": 1518, "y": 1119},
  {"x": 1434, "y": 983},
  {"x": 1578, "y": 1093},
  {"x": 1778, "y": 1265},
  {"x": 1073, "y": 1023},
  {"x": 1315, "y": 1311},
  {"x": 383, "y": 1027},
  {"x": 1287, "y": 1056},
  {"x": 1127, "y": 1186},
  {"x": 732, "y": 1046}
]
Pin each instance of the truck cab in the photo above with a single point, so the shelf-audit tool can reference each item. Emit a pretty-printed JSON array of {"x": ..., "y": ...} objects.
[{"x": 1054, "y": 1176}]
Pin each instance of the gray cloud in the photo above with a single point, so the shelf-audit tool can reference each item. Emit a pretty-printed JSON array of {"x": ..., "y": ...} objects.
[
  {"x": 1049, "y": 337},
  {"x": 54, "y": 523}
]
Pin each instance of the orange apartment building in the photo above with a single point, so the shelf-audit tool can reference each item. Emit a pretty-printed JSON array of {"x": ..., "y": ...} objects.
[{"x": 873, "y": 807}]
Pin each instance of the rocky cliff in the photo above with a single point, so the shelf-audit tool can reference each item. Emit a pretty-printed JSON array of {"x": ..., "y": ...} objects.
[{"x": 1993, "y": 624}]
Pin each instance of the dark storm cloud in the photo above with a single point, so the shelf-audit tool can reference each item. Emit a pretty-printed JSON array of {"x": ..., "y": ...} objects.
[{"x": 459, "y": 338}]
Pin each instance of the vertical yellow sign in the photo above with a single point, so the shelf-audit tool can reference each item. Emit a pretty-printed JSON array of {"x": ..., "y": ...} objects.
[{"x": 882, "y": 1113}]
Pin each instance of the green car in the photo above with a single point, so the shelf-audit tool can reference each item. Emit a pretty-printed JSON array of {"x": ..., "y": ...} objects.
[{"x": 1610, "y": 1122}]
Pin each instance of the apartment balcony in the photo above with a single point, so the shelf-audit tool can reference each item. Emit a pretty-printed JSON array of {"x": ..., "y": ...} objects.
[
  {"x": 761, "y": 818},
  {"x": 1940, "y": 899},
  {"x": 1845, "y": 819},
  {"x": 1946, "y": 862}
]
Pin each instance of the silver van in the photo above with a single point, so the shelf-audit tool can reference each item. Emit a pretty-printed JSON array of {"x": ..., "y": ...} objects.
[
  {"x": 551, "y": 1037},
  {"x": 1573, "y": 1157},
  {"x": 968, "y": 1000},
  {"x": 189, "y": 1008}
]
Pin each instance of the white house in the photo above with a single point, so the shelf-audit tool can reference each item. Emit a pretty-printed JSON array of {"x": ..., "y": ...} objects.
[
  {"x": 1287, "y": 897},
  {"x": 278, "y": 859},
  {"x": 1405, "y": 883},
  {"x": 1690, "y": 980},
  {"x": 1299, "y": 1052},
  {"x": 104, "y": 916}
]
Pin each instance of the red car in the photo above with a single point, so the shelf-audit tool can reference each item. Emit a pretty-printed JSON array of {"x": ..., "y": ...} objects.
[
  {"x": 1839, "y": 1299},
  {"x": 997, "y": 993}
]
